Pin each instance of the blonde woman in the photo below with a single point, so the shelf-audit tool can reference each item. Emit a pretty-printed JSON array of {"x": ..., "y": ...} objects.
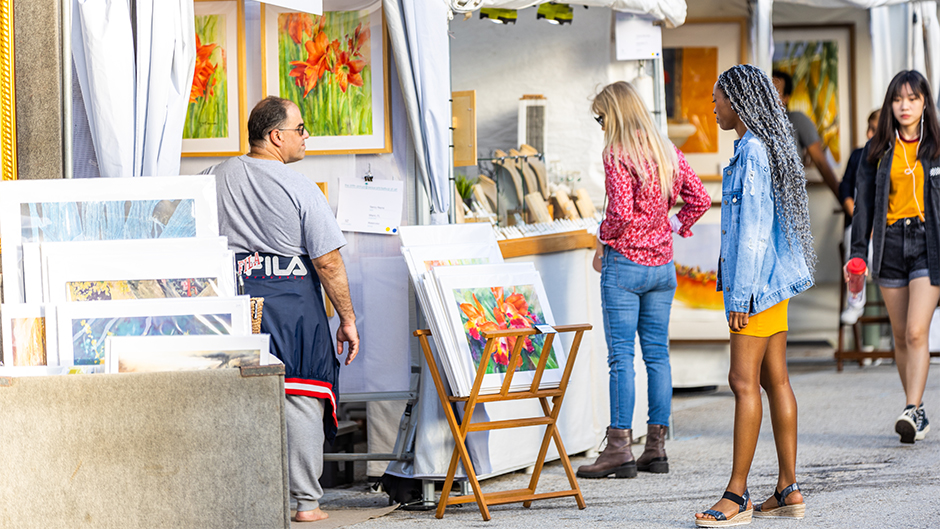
[{"x": 644, "y": 174}]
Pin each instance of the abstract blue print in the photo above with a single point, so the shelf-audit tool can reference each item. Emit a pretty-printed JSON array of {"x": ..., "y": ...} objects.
[{"x": 108, "y": 220}]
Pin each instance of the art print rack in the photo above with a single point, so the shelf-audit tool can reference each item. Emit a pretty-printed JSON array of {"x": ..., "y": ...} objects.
[{"x": 460, "y": 430}]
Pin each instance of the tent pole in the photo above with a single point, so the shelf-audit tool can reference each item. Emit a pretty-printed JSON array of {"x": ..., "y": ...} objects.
[{"x": 66, "y": 51}]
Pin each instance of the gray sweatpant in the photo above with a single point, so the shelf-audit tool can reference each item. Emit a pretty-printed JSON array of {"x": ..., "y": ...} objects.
[{"x": 304, "y": 450}]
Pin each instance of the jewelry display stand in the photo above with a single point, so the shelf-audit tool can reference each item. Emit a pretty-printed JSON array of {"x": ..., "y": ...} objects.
[{"x": 461, "y": 429}]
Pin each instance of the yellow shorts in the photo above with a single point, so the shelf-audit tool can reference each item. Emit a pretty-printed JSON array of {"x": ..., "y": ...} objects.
[{"x": 767, "y": 323}]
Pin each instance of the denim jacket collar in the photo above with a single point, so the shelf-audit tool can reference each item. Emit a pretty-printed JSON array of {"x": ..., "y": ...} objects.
[{"x": 738, "y": 143}]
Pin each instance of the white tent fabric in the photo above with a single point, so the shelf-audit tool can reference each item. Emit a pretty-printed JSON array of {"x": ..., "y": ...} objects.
[
  {"x": 418, "y": 35},
  {"x": 672, "y": 11},
  {"x": 917, "y": 26},
  {"x": 135, "y": 87}
]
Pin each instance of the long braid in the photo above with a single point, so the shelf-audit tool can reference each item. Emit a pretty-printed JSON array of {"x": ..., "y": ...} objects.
[{"x": 755, "y": 100}]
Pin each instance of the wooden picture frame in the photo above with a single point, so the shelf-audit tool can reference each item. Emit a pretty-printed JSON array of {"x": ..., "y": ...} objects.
[
  {"x": 727, "y": 37},
  {"x": 312, "y": 60},
  {"x": 7, "y": 94},
  {"x": 838, "y": 133},
  {"x": 218, "y": 94}
]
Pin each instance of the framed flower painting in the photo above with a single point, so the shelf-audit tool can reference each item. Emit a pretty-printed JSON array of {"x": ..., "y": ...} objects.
[
  {"x": 216, "y": 119},
  {"x": 334, "y": 67}
]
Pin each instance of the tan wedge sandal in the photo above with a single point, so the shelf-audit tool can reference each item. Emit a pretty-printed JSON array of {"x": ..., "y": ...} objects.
[{"x": 782, "y": 510}]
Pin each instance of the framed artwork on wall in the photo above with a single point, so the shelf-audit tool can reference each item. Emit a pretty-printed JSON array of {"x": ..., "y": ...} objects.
[
  {"x": 216, "y": 120},
  {"x": 821, "y": 60},
  {"x": 691, "y": 70},
  {"x": 335, "y": 68}
]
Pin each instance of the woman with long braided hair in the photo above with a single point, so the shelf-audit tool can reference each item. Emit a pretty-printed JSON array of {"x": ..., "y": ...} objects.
[{"x": 767, "y": 257}]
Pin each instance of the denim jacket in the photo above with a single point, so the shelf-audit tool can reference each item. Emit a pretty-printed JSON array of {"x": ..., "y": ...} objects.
[
  {"x": 758, "y": 267},
  {"x": 872, "y": 188}
]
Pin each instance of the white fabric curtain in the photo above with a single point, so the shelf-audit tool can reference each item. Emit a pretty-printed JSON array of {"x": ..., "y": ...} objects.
[
  {"x": 915, "y": 25},
  {"x": 418, "y": 34},
  {"x": 135, "y": 82}
]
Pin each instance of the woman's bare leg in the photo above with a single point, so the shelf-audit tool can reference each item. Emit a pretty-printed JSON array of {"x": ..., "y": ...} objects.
[
  {"x": 775, "y": 380},
  {"x": 747, "y": 354},
  {"x": 922, "y": 301},
  {"x": 896, "y": 301}
]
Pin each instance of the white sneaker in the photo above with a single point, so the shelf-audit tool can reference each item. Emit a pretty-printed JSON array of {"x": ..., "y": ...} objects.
[
  {"x": 851, "y": 314},
  {"x": 906, "y": 425}
]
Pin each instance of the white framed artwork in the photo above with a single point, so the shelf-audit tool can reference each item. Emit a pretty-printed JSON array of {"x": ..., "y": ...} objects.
[
  {"x": 100, "y": 209},
  {"x": 146, "y": 354},
  {"x": 83, "y": 327}
]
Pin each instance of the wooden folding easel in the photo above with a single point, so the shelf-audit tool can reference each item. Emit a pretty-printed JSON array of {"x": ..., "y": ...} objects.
[{"x": 461, "y": 429}]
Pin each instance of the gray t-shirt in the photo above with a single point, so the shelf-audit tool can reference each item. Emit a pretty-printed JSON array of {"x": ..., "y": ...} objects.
[
  {"x": 804, "y": 129},
  {"x": 265, "y": 206}
]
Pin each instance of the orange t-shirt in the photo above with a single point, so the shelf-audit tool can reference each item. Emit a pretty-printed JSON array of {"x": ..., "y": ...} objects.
[{"x": 906, "y": 198}]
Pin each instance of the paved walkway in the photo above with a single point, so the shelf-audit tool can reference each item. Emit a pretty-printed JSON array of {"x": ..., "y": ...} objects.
[{"x": 852, "y": 469}]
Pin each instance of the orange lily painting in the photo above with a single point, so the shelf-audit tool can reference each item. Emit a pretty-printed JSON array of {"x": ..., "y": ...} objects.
[
  {"x": 324, "y": 66},
  {"x": 207, "y": 116},
  {"x": 497, "y": 308}
]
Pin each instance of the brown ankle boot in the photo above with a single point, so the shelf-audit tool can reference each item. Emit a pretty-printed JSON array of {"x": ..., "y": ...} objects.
[
  {"x": 654, "y": 456},
  {"x": 616, "y": 459}
]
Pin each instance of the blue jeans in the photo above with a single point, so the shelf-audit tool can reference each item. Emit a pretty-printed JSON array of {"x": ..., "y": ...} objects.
[{"x": 637, "y": 298}]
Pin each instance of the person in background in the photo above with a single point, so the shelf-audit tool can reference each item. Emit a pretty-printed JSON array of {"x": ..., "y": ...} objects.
[
  {"x": 847, "y": 195},
  {"x": 273, "y": 214},
  {"x": 805, "y": 134},
  {"x": 897, "y": 206},
  {"x": 766, "y": 258},
  {"x": 644, "y": 175}
]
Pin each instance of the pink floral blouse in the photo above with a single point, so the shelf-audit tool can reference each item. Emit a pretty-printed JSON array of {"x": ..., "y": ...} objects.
[{"x": 637, "y": 221}]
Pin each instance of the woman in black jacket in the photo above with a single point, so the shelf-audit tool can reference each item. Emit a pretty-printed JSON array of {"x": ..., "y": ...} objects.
[{"x": 897, "y": 204}]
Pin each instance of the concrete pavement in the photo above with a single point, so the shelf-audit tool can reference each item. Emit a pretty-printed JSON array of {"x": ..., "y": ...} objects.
[{"x": 851, "y": 467}]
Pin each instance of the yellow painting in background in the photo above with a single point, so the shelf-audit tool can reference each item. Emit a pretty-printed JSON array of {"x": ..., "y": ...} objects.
[
  {"x": 691, "y": 73},
  {"x": 29, "y": 342},
  {"x": 814, "y": 66}
]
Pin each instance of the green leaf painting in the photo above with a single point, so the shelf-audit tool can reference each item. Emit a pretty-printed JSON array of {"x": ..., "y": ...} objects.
[
  {"x": 325, "y": 67},
  {"x": 207, "y": 116}
]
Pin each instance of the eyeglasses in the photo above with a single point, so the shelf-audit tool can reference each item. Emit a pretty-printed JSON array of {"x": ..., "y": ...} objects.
[
  {"x": 299, "y": 130},
  {"x": 599, "y": 120}
]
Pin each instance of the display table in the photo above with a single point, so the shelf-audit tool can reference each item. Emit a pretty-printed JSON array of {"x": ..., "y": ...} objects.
[{"x": 200, "y": 449}]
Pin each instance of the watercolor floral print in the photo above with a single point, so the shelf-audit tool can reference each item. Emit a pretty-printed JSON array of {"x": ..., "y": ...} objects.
[
  {"x": 497, "y": 308},
  {"x": 324, "y": 66},
  {"x": 207, "y": 116}
]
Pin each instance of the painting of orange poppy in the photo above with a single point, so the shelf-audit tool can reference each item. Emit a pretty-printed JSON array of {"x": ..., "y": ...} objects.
[
  {"x": 333, "y": 67},
  {"x": 498, "y": 308},
  {"x": 207, "y": 116}
]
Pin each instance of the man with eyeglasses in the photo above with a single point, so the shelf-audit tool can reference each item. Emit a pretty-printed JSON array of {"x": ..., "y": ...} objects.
[{"x": 287, "y": 243}]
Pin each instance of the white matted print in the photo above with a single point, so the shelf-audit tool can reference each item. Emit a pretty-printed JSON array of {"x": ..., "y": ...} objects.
[
  {"x": 492, "y": 297},
  {"x": 147, "y": 275},
  {"x": 100, "y": 209},
  {"x": 145, "y": 354},
  {"x": 84, "y": 327},
  {"x": 25, "y": 335},
  {"x": 159, "y": 250}
]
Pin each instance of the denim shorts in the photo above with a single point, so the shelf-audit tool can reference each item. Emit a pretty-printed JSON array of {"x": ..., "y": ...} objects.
[{"x": 905, "y": 253}]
